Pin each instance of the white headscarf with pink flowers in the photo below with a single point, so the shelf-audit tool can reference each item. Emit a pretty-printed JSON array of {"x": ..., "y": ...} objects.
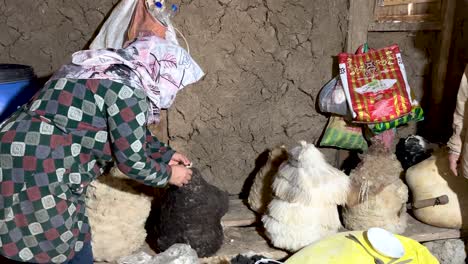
[{"x": 160, "y": 67}]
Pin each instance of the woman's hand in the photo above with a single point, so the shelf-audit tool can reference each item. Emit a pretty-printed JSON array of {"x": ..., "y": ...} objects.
[
  {"x": 180, "y": 175},
  {"x": 453, "y": 162},
  {"x": 179, "y": 158}
]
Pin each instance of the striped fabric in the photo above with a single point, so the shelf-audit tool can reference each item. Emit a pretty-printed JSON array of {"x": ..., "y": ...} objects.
[
  {"x": 342, "y": 135},
  {"x": 365, "y": 77},
  {"x": 417, "y": 114}
]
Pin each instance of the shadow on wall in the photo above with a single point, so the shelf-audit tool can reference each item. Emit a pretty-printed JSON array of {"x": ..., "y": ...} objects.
[
  {"x": 259, "y": 163},
  {"x": 421, "y": 42},
  {"x": 417, "y": 49},
  {"x": 262, "y": 159},
  {"x": 458, "y": 58},
  {"x": 98, "y": 28}
]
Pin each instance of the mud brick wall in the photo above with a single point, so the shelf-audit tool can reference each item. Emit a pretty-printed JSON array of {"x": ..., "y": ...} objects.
[
  {"x": 45, "y": 33},
  {"x": 265, "y": 62}
]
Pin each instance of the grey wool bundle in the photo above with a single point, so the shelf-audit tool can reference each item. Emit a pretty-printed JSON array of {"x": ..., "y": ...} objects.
[
  {"x": 261, "y": 193},
  {"x": 307, "y": 191},
  {"x": 192, "y": 215},
  {"x": 378, "y": 196}
]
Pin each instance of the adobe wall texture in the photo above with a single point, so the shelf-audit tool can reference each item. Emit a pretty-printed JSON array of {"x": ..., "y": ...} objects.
[
  {"x": 45, "y": 33},
  {"x": 265, "y": 62}
]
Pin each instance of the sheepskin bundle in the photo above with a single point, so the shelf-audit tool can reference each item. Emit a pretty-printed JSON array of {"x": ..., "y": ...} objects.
[
  {"x": 117, "y": 212},
  {"x": 261, "y": 193},
  {"x": 307, "y": 191},
  {"x": 432, "y": 178},
  {"x": 378, "y": 196},
  {"x": 192, "y": 215},
  {"x": 412, "y": 150},
  {"x": 242, "y": 259}
]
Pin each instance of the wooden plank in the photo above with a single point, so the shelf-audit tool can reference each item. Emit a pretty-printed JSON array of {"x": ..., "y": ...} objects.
[
  {"x": 441, "y": 60},
  {"x": 422, "y": 232},
  {"x": 408, "y": 10},
  {"x": 409, "y": 19},
  {"x": 402, "y": 2},
  {"x": 238, "y": 215},
  {"x": 404, "y": 26},
  {"x": 251, "y": 239},
  {"x": 242, "y": 240},
  {"x": 421, "y": 12}
]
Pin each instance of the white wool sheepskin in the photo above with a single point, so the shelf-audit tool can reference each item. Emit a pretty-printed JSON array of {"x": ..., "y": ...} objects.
[
  {"x": 260, "y": 194},
  {"x": 378, "y": 197},
  {"x": 307, "y": 191},
  {"x": 386, "y": 210},
  {"x": 117, "y": 214}
]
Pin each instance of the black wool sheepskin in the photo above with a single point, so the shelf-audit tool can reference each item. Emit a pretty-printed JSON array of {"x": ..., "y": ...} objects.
[
  {"x": 412, "y": 150},
  {"x": 241, "y": 259},
  {"x": 192, "y": 215}
]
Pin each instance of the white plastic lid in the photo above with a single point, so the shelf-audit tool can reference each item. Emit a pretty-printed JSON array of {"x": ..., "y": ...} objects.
[{"x": 385, "y": 242}]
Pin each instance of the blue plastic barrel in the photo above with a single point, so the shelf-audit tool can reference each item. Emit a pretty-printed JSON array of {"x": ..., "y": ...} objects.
[{"x": 17, "y": 86}]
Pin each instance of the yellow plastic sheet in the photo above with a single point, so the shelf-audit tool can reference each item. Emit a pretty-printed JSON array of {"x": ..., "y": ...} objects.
[{"x": 338, "y": 249}]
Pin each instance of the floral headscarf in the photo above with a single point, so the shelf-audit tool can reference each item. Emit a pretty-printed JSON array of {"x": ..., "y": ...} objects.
[{"x": 159, "y": 67}]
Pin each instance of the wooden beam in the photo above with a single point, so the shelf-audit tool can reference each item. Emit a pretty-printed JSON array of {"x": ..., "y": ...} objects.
[
  {"x": 404, "y": 26},
  {"x": 441, "y": 60},
  {"x": 409, "y": 18},
  {"x": 360, "y": 15},
  {"x": 238, "y": 215},
  {"x": 252, "y": 238},
  {"x": 239, "y": 240},
  {"x": 423, "y": 11},
  {"x": 422, "y": 232},
  {"x": 402, "y": 2}
]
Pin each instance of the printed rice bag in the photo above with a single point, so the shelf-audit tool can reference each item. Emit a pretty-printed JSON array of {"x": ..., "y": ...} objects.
[
  {"x": 375, "y": 85},
  {"x": 343, "y": 135}
]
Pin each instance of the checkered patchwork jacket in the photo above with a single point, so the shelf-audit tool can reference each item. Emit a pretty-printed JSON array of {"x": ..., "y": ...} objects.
[{"x": 53, "y": 148}]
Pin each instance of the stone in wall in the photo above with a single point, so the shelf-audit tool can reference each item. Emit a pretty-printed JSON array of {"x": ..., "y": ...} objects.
[{"x": 449, "y": 251}]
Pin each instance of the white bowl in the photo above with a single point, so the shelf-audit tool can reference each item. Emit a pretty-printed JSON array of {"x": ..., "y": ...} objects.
[{"x": 385, "y": 242}]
